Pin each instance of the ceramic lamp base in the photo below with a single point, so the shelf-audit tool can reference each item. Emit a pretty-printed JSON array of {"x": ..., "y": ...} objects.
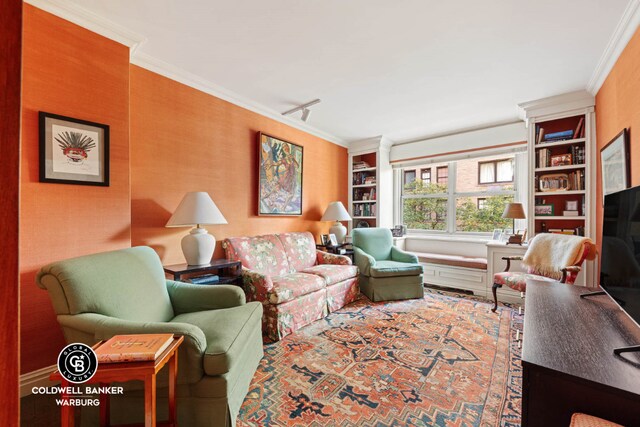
[
  {"x": 340, "y": 232},
  {"x": 198, "y": 246}
]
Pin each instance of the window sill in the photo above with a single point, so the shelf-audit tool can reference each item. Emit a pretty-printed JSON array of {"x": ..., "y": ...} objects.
[{"x": 450, "y": 238}]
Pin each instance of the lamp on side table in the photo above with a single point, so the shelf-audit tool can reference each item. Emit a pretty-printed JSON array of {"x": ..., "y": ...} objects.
[{"x": 197, "y": 208}]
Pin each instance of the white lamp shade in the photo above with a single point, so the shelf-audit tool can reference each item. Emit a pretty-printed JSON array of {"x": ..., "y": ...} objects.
[
  {"x": 196, "y": 208},
  {"x": 336, "y": 212}
]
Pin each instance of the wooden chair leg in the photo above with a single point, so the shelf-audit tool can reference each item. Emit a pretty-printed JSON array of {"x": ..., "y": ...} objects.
[{"x": 494, "y": 289}]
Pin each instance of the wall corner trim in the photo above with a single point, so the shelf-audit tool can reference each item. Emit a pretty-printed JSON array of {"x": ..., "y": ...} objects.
[
  {"x": 78, "y": 15},
  {"x": 37, "y": 378},
  {"x": 619, "y": 39}
]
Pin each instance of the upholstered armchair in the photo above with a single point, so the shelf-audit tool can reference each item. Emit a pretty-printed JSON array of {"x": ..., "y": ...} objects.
[
  {"x": 386, "y": 272},
  {"x": 125, "y": 292},
  {"x": 550, "y": 257}
]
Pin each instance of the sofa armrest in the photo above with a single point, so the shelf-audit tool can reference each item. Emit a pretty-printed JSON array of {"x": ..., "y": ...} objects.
[
  {"x": 327, "y": 258},
  {"x": 104, "y": 327},
  {"x": 256, "y": 285},
  {"x": 364, "y": 261},
  {"x": 402, "y": 256},
  {"x": 189, "y": 298}
]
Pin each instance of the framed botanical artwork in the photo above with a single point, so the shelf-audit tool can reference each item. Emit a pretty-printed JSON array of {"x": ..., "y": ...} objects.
[
  {"x": 73, "y": 151},
  {"x": 544, "y": 210},
  {"x": 614, "y": 160},
  {"x": 279, "y": 176}
]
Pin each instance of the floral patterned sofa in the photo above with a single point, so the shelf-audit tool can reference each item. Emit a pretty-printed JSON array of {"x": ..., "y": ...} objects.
[{"x": 295, "y": 283}]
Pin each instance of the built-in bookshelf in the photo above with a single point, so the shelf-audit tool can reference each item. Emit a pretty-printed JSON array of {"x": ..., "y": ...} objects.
[
  {"x": 364, "y": 192},
  {"x": 560, "y": 175},
  {"x": 370, "y": 183},
  {"x": 561, "y": 147}
]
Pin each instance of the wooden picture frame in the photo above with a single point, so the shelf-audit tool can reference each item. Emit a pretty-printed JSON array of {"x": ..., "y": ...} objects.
[
  {"x": 73, "y": 151},
  {"x": 546, "y": 209},
  {"x": 565, "y": 159},
  {"x": 615, "y": 164},
  {"x": 280, "y": 172}
]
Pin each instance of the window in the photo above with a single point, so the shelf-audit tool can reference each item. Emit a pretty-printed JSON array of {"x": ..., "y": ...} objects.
[
  {"x": 443, "y": 174},
  {"x": 409, "y": 177},
  {"x": 461, "y": 204},
  {"x": 425, "y": 175},
  {"x": 495, "y": 171}
]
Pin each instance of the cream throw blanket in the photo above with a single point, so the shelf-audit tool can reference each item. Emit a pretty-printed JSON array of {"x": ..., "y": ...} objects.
[{"x": 549, "y": 253}]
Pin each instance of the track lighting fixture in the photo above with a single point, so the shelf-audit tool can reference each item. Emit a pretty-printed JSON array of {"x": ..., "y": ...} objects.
[{"x": 306, "y": 112}]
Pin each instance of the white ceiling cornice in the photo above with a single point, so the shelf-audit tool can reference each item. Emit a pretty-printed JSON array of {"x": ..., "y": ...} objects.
[
  {"x": 621, "y": 36},
  {"x": 78, "y": 15},
  {"x": 86, "y": 19},
  {"x": 178, "y": 74}
]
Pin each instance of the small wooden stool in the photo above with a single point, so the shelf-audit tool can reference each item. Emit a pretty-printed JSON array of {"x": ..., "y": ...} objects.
[
  {"x": 128, "y": 371},
  {"x": 583, "y": 420}
]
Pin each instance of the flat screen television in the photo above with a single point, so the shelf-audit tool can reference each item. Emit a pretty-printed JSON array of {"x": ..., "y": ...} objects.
[{"x": 620, "y": 257}]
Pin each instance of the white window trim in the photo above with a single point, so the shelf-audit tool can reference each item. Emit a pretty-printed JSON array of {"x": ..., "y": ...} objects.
[{"x": 450, "y": 231}]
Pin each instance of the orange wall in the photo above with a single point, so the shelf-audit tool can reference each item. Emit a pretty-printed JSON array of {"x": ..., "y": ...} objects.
[
  {"x": 618, "y": 107},
  {"x": 186, "y": 140},
  {"x": 70, "y": 71},
  {"x": 166, "y": 139}
]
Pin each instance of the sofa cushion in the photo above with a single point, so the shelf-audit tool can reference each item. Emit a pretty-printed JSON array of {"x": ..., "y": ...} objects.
[
  {"x": 332, "y": 273},
  {"x": 300, "y": 249},
  {"x": 294, "y": 285},
  {"x": 452, "y": 260},
  {"x": 394, "y": 268},
  {"x": 228, "y": 332},
  {"x": 264, "y": 254}
]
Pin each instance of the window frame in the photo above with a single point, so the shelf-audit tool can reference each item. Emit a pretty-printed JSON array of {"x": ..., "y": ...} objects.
[
  {"x": 451, "y": 195},
  {"x": 439, "y": 168},
  {"x": 422, "y": 171},
  {"x": 404, "y": 176},
  {"x": 495, "y": 172}
]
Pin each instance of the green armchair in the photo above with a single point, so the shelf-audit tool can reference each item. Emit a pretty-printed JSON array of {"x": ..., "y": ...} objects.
[
  {"x": 125, "y": 292},
  {"x": 386, "y": 272}
]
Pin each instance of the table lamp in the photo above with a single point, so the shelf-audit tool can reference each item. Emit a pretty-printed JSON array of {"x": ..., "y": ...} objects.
[
  {"x": 336, "y": 212},
  {"x": 197, "y": 208},
  {"x": 514, "y": 211}
]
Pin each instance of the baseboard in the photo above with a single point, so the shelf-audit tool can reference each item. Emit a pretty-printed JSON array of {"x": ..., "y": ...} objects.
[{"x": 38, "y": 378}]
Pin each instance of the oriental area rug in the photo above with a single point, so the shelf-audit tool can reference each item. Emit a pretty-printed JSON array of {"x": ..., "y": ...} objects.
[{"x": 444, "y": 360}]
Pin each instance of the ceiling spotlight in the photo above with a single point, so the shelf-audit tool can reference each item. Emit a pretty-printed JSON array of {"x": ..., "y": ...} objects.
[{"x": 306, "y": 112}]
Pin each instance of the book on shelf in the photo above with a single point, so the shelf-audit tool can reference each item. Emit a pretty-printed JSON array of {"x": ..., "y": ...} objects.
[
  {"x": 539, "y": 134},
  {"x": 360, "y": 165},
  {"x": 570, "y": 213},
  {"x": 578, "y": 131},
  {"x": 207, "y": 278},
  {"x": 133, "y": 348},
  {"x": 558, "y": 136}
]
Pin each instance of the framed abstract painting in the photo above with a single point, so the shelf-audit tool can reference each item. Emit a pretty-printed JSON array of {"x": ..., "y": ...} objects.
[
  {"x": 614, "y": 161},
  {"x": 280, "y": 176},
  {"x": 73, "y": 151}
]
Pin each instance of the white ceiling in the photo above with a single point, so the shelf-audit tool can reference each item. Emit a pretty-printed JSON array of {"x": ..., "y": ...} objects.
[{"x": 406, "y": 69}]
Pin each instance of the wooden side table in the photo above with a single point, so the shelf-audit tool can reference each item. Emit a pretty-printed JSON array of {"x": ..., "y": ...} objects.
[
  {"x": 229, "y": 271},
  {"x": 128, "y": 371},
  {"x": 348, "y": 251}
]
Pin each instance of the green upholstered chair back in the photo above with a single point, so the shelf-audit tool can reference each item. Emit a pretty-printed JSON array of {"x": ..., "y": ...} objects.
[
  {"x": 376, "y": 242},
  {"x": 127, "y": 284}
]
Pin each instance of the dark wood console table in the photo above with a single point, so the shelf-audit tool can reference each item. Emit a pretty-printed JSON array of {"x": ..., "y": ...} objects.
[{"x": 568, "y": 361}]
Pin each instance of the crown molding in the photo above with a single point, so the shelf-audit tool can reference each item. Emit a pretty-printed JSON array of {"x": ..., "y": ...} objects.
[
  {"x": 78, "y": 15},
  {"x": 556, "y": 104},
  {"x": 187, "y": 78},
  {"x": 621, "y": 36}
]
